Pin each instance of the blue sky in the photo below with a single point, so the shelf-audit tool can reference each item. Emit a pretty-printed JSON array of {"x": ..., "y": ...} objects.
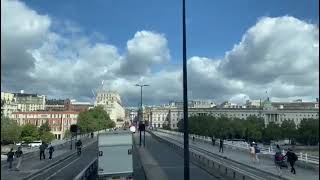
[
  {"x": 237, "y": 49},
  {"x": 214, "y": 25}
]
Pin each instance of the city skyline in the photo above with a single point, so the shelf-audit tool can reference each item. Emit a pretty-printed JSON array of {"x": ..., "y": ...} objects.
[{"x": 273, "y": 50}]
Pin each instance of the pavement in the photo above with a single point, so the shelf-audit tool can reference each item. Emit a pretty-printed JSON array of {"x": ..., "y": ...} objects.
[
  {"x": 265, "y": 164},
  {"x": 32, "y": 164},
  {"x": 161, "y": 162}
]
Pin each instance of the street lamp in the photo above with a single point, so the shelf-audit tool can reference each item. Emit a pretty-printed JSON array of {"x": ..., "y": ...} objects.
[
  {"x": 141, "y": 86},
  {"x": 141, "y": 115}
]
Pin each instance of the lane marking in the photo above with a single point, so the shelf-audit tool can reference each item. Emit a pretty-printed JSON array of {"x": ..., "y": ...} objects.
[{"x": 61, "y": 169}]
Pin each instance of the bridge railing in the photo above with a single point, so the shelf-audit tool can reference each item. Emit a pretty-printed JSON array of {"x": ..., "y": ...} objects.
[
  {"x": 88, "y": 171},
  {"x": 264, "y": 150}
]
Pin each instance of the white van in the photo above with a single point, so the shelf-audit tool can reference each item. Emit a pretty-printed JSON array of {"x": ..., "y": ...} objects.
[
  {"x": 35, "y": 143},
  {"x": 115, "y": 156}
]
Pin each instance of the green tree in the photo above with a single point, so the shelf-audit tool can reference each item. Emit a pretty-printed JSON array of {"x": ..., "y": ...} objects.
[
  {"x": 29, "y": 133},
  {"x": 44, "y": 128},
  {"x": 272, "y": 132},
  {"x": 47, "y": 137},
  {"x": 93, "y": 120},
  {"x": 288, "y": 129},
  {"x": 10, "y": 130},
  {"x": 308, "y": 132}
]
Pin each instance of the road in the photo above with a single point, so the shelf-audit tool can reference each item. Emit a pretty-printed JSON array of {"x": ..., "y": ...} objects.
[
  {"x": 266, "y": 165},
  {"x": 167, "y": 162}
]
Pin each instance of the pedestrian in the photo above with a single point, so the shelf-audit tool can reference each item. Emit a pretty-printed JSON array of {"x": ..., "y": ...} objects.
[
  {"x": 291, "y": 158},
  {"x": 256, "y": 151},
  {"x": 19, "y": 157},
  {"x": 42, "y": 149},
  {"x": 10, "y": 157},
  {"x": 278, "y": 149},
  {"x": 91, "y": 134},
  {"x": 51, "y": 150},
  {"x": 213, "y": 141},
  {"x": 193, "y": 138},
  {"x": 252, "y": 152},
  {"x": 221, "y": 145}
]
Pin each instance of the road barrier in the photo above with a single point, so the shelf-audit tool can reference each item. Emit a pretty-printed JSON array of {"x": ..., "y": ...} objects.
[
  {"x": 88, "y": 171},
  {"x": 303, "y": 157},
  {"x": 216, "y": 166}
]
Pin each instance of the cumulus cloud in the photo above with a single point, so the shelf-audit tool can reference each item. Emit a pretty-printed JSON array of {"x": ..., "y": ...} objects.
[
  {"x": 145, "y": 50},
  {"x": 278, "y": 55}
]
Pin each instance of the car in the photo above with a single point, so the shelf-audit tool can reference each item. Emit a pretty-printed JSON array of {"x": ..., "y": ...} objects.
[{"x": 35, "y": 143}]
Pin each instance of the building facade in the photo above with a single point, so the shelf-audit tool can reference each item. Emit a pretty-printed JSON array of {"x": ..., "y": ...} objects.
[
  {"x": 269, "y": 113},
  {"x": 111, "y": 102},
  {"x": 30, "y": 102},
  {"x": 8, "y": 104},
  {"x": 59, "y": 121}
]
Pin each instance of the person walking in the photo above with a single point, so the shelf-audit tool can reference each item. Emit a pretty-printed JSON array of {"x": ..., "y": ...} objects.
[
  {"x": 10, "y": 158},
  {"x": 19, "y": 157},
  {"x": 252, "y": 152},
  {"x": 221, "y": 145},
  {"x": 42, "y": 149},
  {"x": 193, "y": 138},
  {"x": 291, "y": 158},
  {"x": 256, "y": 151},
  {"x": 51, "y": 150},
  {"x": 213, "y": 141}
]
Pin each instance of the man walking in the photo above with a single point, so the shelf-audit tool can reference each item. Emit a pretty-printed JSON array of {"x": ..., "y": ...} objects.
[
  {"x": 42, "y": 149},
  {"x": 221, "y": 145},
  {"x": 10, "y": 157},
  {"x": 292, "y": 158},
  {"x": 19, "y": 158},
  {"x": 51, "y": 149}
]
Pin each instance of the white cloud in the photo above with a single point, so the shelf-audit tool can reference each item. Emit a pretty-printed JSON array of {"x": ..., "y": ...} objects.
[{"x": 276, "y": 54}]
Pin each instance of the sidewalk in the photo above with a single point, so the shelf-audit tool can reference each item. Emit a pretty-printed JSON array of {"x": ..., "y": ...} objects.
[
  {"x": 30, "y": 165},
  {"x": 243, "y": 157}
]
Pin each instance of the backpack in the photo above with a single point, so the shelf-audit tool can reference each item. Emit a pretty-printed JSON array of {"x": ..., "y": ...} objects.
[{"x": 257, "y": 149}]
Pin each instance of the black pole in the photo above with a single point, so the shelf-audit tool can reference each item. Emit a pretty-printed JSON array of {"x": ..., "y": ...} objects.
[
  {"x": 185, "y": 96},
  {"x": 141, "y": 114}
]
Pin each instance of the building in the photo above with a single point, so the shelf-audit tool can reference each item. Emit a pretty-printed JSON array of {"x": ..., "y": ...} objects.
[
  {"x": 78, "y": 106},
  {"x": 30, "y": 102},
  {"x": 8, "y": 104},
  {"x": 55, "y": 105},
  {"x": 193, "y": 104},
  {"x": 131, "y": 114},
  {"x": 269, "y": 113},
  {"x": 59, "y": 121},
  {"x": 253, "y": 103},
  {"x": 111, "y": 102}
]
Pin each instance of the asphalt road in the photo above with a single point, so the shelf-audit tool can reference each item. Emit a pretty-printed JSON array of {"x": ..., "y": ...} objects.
[
  {"x": 171, "y": 163},
  {"x": 71, "y": 167}
]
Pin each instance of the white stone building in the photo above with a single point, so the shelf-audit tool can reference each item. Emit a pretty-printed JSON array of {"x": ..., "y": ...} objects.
[
  {"x": 30, "y": 102},
  {"x": 268, "y": 113},
  {"x": 111, "y": 102}
]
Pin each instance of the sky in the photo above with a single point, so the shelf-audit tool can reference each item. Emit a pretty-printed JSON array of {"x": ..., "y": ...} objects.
[{"x": 237, "y": 50}]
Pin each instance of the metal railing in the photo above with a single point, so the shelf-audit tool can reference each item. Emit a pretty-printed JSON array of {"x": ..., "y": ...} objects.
[
  {"x": 245, "y": 146},
  {"x": 88, "y": 170}
]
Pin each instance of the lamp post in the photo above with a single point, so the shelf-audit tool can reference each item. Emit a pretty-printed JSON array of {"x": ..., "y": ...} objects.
[
  {"x": 185, "y": 95},
  {"x": 141, "y": 114}
]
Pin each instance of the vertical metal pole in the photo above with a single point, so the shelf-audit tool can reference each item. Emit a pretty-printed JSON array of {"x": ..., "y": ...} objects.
[
  {"x": 141, "y": 114},
  {"x": 144, "y": 138},
  {"x": 185, "y": 96}
]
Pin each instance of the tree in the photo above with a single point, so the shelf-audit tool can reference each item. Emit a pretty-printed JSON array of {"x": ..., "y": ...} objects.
[
  {"x": 272, "y": 132},
  {"x": 308, "y": 132},
  {"x": 47, "y": 137},
  {"x": 44, "y": 128},
  {"x": 10, "y": 130},
  {"x": 288, "y": 129},
  {"x": 29, "y": 133},
  {"x": 93, "y": 120}
]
